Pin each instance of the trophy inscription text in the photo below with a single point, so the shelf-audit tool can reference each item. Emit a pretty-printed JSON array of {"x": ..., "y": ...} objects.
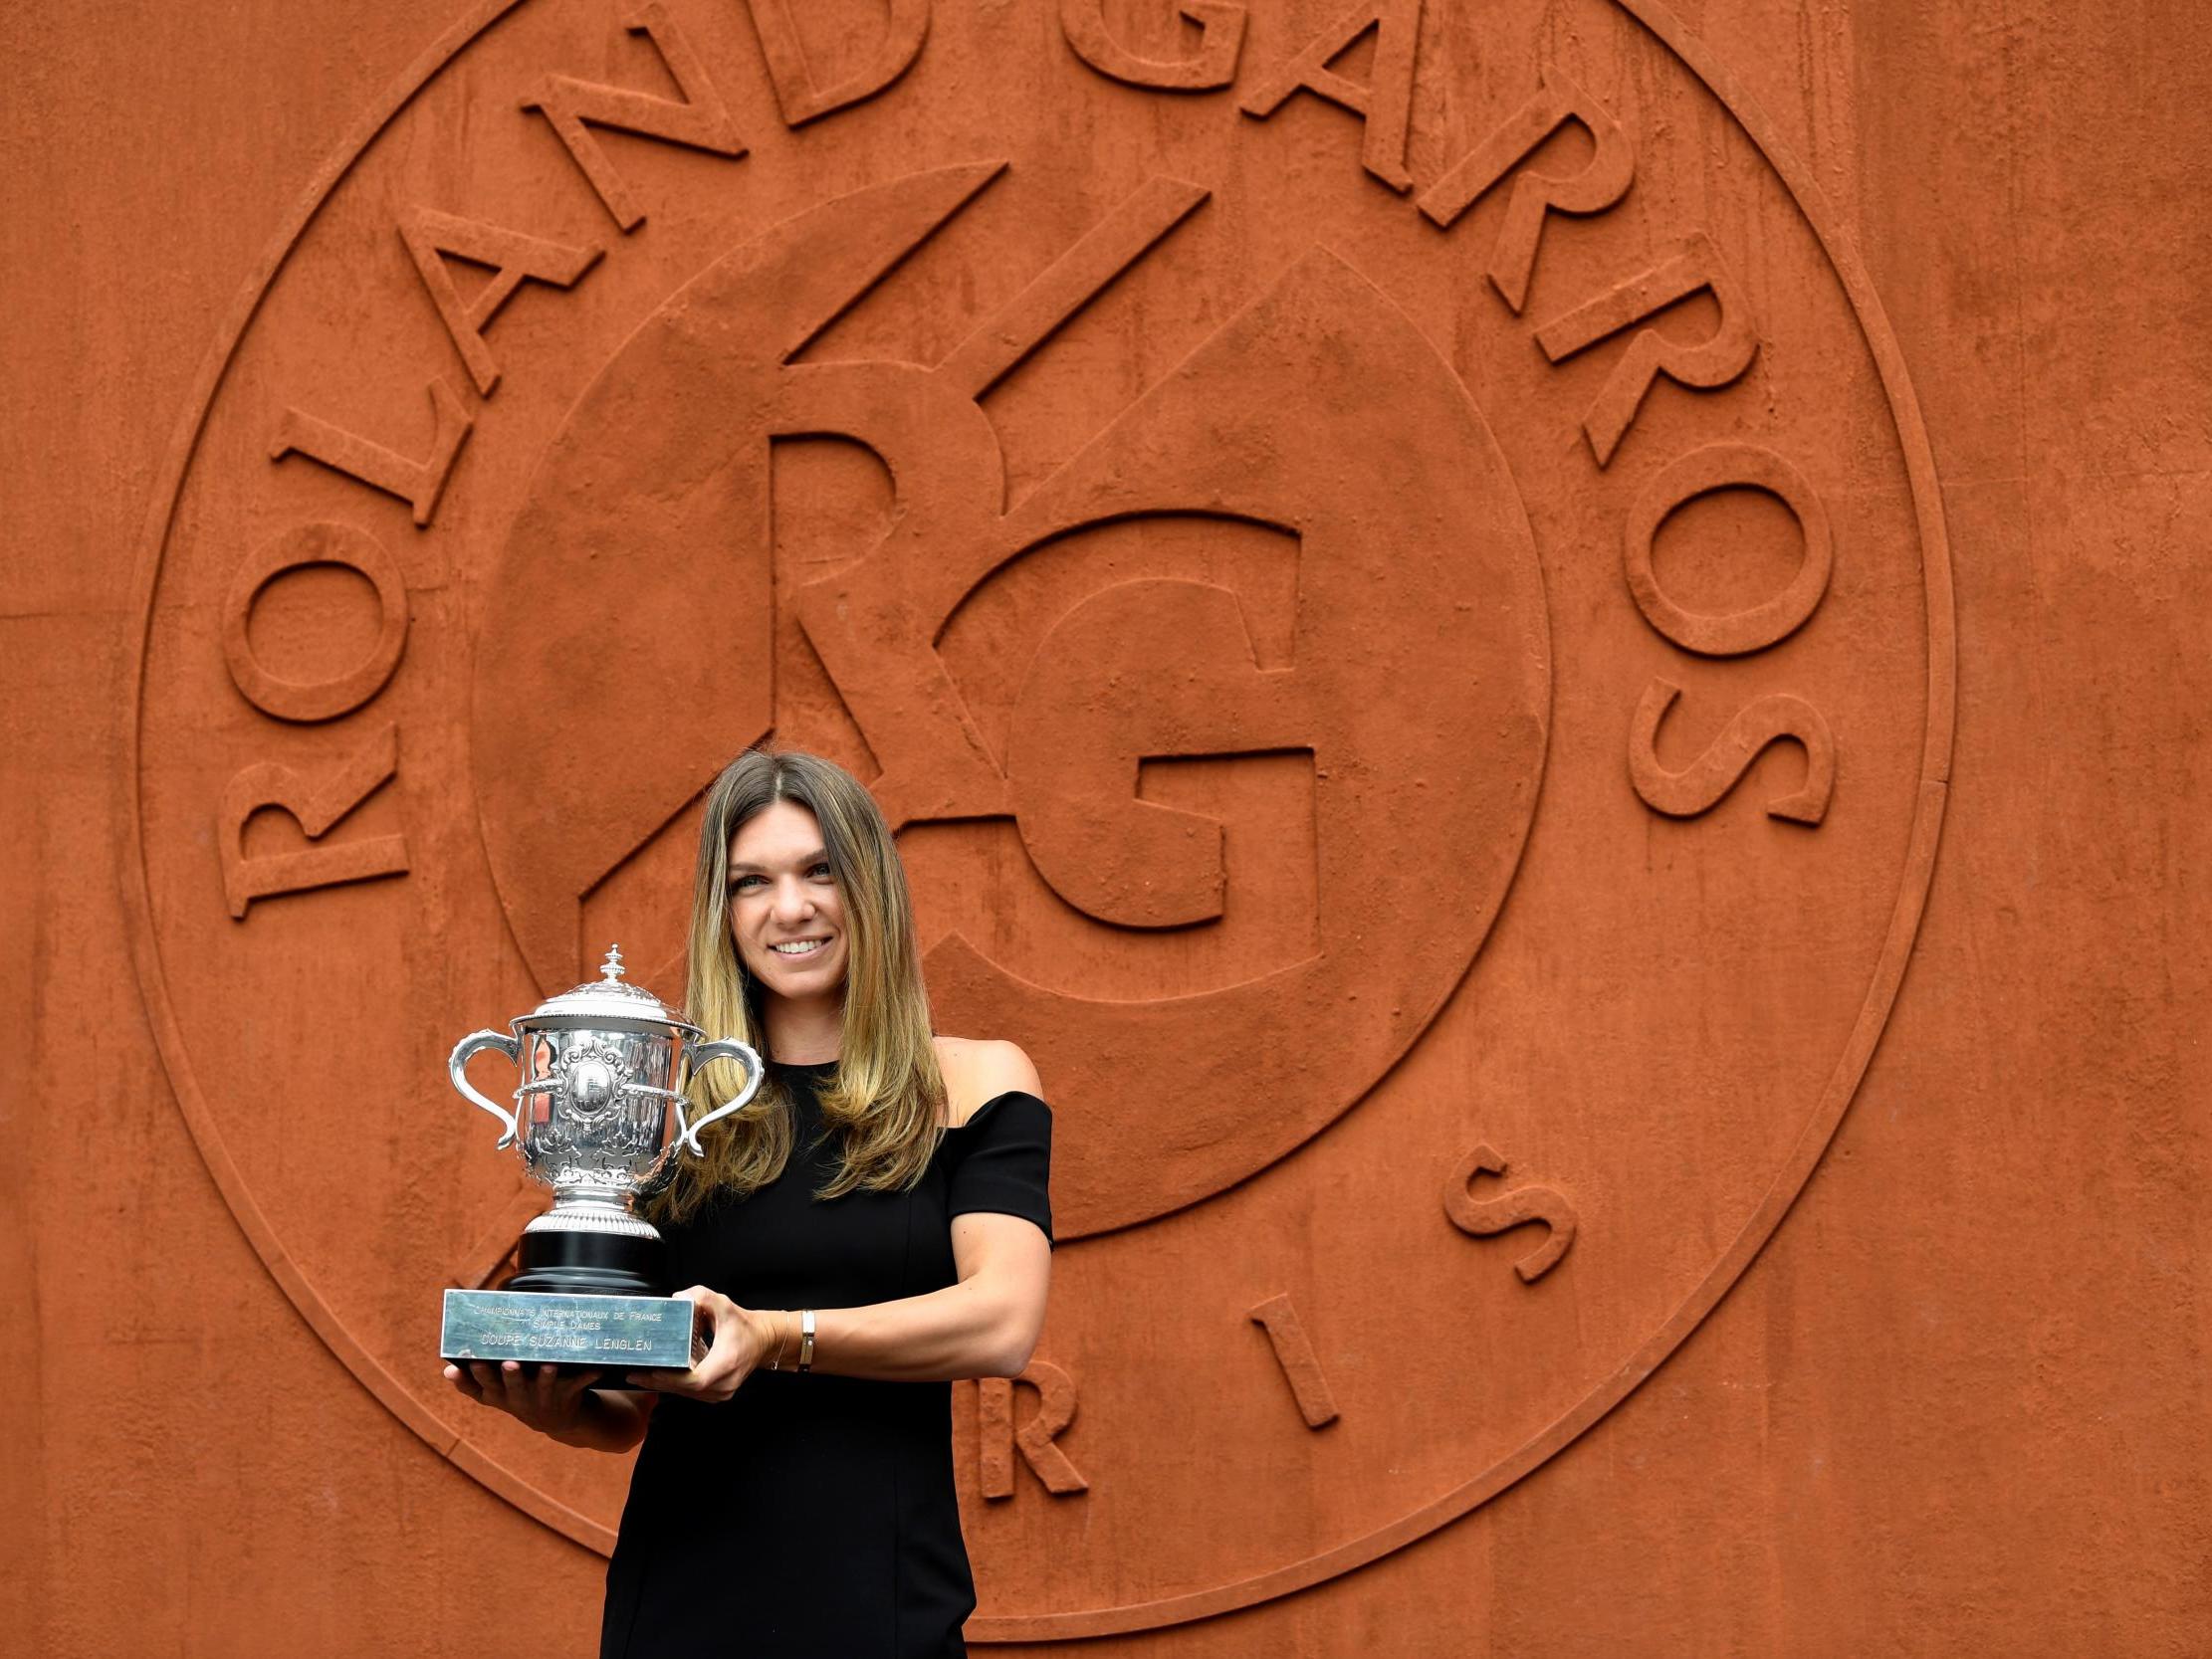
[{"x": 633, "y": 1332}]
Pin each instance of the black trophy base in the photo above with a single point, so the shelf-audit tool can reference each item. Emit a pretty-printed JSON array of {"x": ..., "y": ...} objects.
[{"x": 589, "y": 1264}]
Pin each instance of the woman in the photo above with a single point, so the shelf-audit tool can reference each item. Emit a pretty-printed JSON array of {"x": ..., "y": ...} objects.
[{"x": 873, "y": 1224}]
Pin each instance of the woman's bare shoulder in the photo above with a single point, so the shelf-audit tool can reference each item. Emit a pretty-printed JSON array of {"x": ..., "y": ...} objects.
[{"x": 978, "y": 1068}]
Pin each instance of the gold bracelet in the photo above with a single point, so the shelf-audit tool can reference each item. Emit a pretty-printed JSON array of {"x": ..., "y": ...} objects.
[{"x": 775, "y": 1348}]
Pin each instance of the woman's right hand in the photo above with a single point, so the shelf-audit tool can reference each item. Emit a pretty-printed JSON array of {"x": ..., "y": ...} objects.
[{"x": 547, "y": 1398}]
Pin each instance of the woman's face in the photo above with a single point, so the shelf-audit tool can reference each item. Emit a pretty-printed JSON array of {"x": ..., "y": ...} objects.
[{"x": 787, "y": 915}]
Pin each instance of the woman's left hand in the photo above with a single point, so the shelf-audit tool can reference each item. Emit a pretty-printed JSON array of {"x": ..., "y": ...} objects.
[{"x": 738, "y": 1339}]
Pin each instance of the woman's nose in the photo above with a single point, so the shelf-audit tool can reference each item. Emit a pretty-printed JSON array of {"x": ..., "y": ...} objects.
[{"x": 793, "y": 903}]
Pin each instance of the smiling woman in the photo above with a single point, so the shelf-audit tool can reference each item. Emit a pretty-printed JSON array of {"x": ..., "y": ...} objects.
[
  {"x": 897, "y": 1176},
  {"x": 803, "y": 944}
]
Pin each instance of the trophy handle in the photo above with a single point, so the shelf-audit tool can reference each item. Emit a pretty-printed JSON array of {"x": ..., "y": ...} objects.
[
  {"x": 702, "y": 1055},
  {"x": 469, "y": 1046}
]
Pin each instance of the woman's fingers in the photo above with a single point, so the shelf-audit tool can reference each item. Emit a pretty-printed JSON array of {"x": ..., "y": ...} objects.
[
  {"x": 546, "y": 1397},
  {"x": 506, "y": 1385},
  {"x": 704, "y": 1315},
  {"x": 730, "y": 1359},
  {"x": 711, "y": 1375},
  {"x": 705, "y": 1380},
  {"x": 483, "y": 1381},
  {"x": 697, "y": 1383},
  {"x": 709, "y": 1320}
]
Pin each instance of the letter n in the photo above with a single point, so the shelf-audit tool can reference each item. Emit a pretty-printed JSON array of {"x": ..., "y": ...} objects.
[{"x": 699, "y": 120}]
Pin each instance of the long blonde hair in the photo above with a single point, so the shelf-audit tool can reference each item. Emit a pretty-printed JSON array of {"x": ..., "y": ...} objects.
[{"x": 886, "y": 1100}]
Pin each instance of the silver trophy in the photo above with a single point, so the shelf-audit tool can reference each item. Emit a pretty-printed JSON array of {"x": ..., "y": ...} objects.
[{"x": 601, "y": 1068}]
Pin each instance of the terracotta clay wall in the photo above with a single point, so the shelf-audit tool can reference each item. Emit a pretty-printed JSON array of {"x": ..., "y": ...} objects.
[{"x": 1551, "y": 657}]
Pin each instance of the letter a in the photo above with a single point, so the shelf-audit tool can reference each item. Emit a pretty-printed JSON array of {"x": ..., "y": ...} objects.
[
  {"x": 1385, "y": 103},
  {"x": 514, "y": 259}
]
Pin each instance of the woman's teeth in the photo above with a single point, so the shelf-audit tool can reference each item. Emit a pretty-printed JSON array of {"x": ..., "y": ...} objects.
[{"x": 799, "y": 948}]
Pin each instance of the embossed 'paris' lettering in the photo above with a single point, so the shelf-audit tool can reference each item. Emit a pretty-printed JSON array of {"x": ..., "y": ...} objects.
[
  {"x": 999, "y": 1434},
  {"x": 1294, "y": 1354},
  {"x": 315, "y": 803},
  {"x": 1515, "y": 1207},
  {"x": 1385, "y": 103}
]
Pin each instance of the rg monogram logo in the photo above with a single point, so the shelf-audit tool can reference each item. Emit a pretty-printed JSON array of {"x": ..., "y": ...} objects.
[{"x": 1406, "y": 677}]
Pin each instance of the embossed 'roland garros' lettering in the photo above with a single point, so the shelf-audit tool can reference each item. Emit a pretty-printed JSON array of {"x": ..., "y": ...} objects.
[{"x": 700, "y": 117}]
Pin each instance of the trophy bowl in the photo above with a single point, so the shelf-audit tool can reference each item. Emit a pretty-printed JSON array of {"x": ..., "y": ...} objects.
[{"x": 600, "y": 1117}]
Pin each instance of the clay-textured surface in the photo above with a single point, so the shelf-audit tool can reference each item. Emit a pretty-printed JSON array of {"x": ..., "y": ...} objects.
[{"x": 1551, "y": 658}]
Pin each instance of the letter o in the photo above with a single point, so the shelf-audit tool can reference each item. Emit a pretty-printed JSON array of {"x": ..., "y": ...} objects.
[
  {"x": 296, "y": 548},
  {"x": 1719, "y": 466}
]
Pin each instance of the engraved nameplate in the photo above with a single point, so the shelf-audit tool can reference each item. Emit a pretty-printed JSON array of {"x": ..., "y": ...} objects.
[{"x": 623, "y": 1333}]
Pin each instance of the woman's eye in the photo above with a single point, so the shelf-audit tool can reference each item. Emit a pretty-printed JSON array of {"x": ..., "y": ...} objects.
[
  {"x": 821, "y": 872},
  {"x": 743, "y": 882}
]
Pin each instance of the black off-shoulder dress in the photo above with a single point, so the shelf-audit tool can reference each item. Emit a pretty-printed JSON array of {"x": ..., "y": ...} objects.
[{"x": 816, "y": 1514}]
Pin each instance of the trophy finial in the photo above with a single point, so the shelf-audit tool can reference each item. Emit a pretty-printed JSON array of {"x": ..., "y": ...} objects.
[{"x": 612, "y": 969}]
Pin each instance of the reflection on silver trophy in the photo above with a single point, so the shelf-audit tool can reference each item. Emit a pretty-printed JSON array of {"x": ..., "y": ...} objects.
[{"x": 602, "y": 1069}]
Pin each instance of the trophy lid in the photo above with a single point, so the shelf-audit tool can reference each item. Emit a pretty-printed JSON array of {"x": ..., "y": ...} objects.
[{"x": 608, "y": 997}]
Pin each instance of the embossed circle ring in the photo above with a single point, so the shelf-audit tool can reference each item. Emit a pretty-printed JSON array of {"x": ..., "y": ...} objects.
[{"x": 1400, "y": 612}]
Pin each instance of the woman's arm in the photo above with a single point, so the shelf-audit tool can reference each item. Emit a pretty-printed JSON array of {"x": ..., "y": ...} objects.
[{"x": 983, "y": 1324}]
